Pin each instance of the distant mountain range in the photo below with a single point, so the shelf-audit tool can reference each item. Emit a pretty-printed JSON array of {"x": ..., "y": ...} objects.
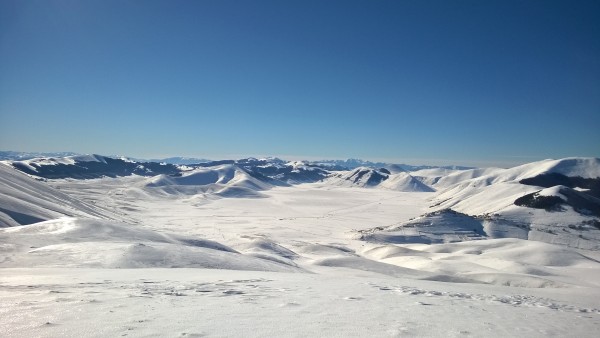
[
  {"x": 271, "y": 170},
  {"x": 91, "y": 166},
  {"x": 19, "y": 155},
  {"x": 353, "y": 163},
  {"x": 178, "y": 160},
  {"x": 327, "y": 164}
]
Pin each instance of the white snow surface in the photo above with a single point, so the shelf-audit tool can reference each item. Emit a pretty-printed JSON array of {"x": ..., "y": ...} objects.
[
  {"x": 404, "y": 182},
  {"x": 169, "y": 256},
  {"x": 553, "y": 191},
  {"x": 464, "y": 175}
]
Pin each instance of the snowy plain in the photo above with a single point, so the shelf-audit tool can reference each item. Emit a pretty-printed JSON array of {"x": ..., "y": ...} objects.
[{"x": 285, "y": 261}]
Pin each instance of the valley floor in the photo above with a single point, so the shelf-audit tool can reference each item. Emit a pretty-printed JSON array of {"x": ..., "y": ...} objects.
[{"x": 341, "y": 286}]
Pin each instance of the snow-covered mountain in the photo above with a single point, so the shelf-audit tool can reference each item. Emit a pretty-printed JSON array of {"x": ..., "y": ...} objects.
[
  {"x": 91, "y": 166},
  {"x": 279, "y": 171},
  {"x": 226, "y": 180},
  {"x": 271, "y": 170},
  {"x": 555, "y": 201},
  {"x": 499, "y": 188},
  {"x": 353, "y": 163},
  {"x": 443, "y": 226},
  {"x": 178, "y": 160},
  {"x": 365, "y": 177},
  {"x": 25, "y": 200},
  {"x": 440, "y": 178}
]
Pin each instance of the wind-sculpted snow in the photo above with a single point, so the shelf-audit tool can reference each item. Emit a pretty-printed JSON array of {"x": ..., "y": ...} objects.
[
  {"x": 511, "y": 300},
  {"x": 71, "y": 242},
  {"x": 463, "y": 175},
  {"x": 511, "y": 262},
  {"x": 268, "y": 249},
  {"x": 25, "y": 200}
]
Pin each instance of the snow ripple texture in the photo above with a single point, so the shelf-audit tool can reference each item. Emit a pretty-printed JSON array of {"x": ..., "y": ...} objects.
[{"x": 515, "y": 300}]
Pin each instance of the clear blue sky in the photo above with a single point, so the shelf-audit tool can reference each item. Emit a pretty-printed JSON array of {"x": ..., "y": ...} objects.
[{"x": 453, "y": 82}]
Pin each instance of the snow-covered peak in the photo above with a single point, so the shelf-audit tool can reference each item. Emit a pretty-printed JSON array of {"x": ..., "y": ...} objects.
[
  {"x": 360, "y": 177},
  {"x": 366, "y": 177}
]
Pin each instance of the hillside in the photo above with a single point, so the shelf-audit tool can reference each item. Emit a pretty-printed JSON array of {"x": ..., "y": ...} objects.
[
  {"x": 364, "y": 177},
  {"x": 25, "y": 200},
  {"x": 554, "y": 201}
]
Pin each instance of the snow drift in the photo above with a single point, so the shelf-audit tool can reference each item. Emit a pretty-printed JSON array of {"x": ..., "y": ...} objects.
[
  {"x": 26, "y": 200},
  {"x": 71, "y": 242}
]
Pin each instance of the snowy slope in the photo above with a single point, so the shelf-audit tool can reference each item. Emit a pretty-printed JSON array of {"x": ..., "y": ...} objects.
[
  {"x": 514, "y": 206},
  {"x": 526, "y": 202},
  {"x": 439, "y": 227},
  {"x": 365, "y": 177},
  {"x": 360, "y": 177},
  {"x": 570, "y": 167},
  {"x": 279, "y": 172},
  {"x": 405, "y": 182},
  {"x": 91, "y": 166},
  {"x": 497, "y": 190},
  {"x": 431, "y": 176},
  {"x": 225, "y": 180},
  {"x": 71, "y": 242},
  {"x": 25, "y": 200},
  {"x": 463, "y": 175}
]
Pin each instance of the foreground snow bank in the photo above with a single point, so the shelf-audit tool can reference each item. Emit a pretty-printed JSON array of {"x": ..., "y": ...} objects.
[
  {"x": 71, "y": 242},
  {"x": 228, "y": 303}
]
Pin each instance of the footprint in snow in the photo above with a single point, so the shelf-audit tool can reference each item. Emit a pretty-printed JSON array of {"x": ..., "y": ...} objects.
[
  {"x": 352, "y": 298},
  {"x": 192, "y": 335}
]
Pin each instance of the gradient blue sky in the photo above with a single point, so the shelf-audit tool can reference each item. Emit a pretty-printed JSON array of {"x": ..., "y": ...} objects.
[{"x": 434, "y": 82}]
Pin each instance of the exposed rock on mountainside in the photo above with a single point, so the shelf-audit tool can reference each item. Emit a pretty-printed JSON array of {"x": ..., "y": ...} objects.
[
  {"x": 369, "y": 178},
  {"x": 91, "y": 166}
]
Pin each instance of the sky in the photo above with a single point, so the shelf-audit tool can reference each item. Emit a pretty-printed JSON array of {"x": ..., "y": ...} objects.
[{"x": 421, "y": 82}]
